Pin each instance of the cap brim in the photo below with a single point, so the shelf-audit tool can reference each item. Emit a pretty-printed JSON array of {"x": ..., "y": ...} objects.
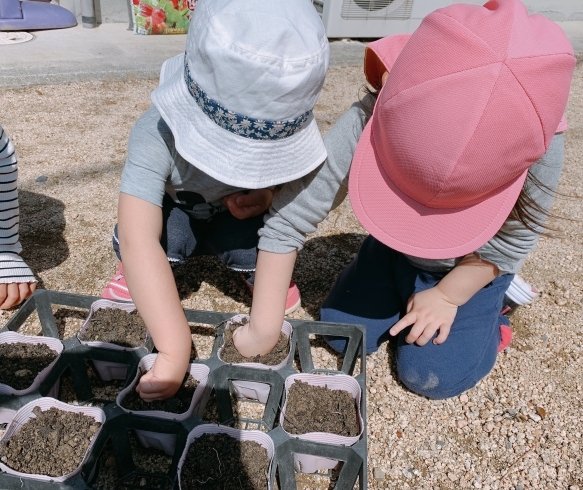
[
  {"x": 229, "y": 158},
  {"x": 412, "y": 228}
]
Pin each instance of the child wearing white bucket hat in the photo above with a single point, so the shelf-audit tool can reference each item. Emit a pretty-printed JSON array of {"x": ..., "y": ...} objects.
[
  {"x": 231, "y": 116},
  {"x": 453, "y": 176}
]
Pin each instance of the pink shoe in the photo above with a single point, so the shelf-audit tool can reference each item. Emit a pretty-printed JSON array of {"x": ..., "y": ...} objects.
[
  {"x": 117, "y": 289},
  {"x": 505, "y": 337},
  {"x": 293, "y": 301}
]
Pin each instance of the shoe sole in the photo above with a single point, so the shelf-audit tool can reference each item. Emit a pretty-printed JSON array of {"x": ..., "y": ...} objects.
[{"x": 293, "y": 308}]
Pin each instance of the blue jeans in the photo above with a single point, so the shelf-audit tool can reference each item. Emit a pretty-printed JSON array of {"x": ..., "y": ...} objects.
[
  {"x": 233, "y": 240},
  {"x": 373, "y": 290}
]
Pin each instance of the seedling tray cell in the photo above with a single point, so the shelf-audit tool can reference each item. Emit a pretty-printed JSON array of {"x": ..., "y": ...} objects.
[{"x": 116, "y": 436}]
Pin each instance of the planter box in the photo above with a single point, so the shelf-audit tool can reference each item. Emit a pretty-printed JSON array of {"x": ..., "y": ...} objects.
[
  {"x": 305, "y": 463},
  {"x": 165, "y": 442},
  {"x": 251, "y": 389},
  {"x": 240, "y": 435},
  {"x": 54, "y": 344},
  {"x": 108, "y": 370},
  {"x": 120, "y": 425},
  {"x": 26, "y": 413}
]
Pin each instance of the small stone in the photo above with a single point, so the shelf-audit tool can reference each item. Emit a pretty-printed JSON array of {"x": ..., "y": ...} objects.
[
  {"x": 22, "y": 372},
  {"x": 4, "y": 459},
  {"x": 512, "y": 412},
  {"x": 440, "y": 443},
  {"x": 143, "y": 482},
  {"x": 519, "y": 487},
  {"x": 42, "y": 178},
  {"x": 508, "y": 444},
  {"x": 464, "y": 398},
  {"x": 545, "y": 337},
  {"x": 534, "y": 417},
  {"x": 452, "y": 476},
  {"x": 461, "y": 423},
  {"x": 379, "y": 474},
  {"x": 408, "y": 474},
  {"x": 561, "y": 302},
  {"x": 489, "y": 427},
  {"x": 541, "y": 411}
]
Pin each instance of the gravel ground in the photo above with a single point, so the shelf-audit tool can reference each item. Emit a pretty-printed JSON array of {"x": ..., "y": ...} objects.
[{"x": 520, "y": 428}]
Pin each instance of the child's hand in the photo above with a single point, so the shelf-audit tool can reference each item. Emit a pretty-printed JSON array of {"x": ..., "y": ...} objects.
[
  {"x": 428, "y": 311},
  {"x": 15, "y": 293},
  {"x": 250, "y": 345},
  {"x": 247, "y": 205},
  {"x": 163, "y": 380}
]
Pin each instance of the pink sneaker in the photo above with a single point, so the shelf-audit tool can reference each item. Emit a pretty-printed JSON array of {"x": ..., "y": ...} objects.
[
  {"x": 116, "y": 288},
  {"x": 293, "y": 301},
  {"x": 505, "y": 337}
]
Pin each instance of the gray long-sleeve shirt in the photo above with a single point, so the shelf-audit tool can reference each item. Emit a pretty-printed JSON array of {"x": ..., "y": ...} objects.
[
  {"x": 154, "y": 167},
  {"x": 302, "y": 204}
]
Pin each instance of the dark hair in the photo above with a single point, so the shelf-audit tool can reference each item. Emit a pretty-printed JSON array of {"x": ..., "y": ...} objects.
[{"x": 526, "y": 210}]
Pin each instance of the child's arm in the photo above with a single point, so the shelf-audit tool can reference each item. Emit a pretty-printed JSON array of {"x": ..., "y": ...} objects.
[
  {"x": 435, "y": 308},
  {"x": 154, "y": 292},
  {"x": 272, "y": 278}
]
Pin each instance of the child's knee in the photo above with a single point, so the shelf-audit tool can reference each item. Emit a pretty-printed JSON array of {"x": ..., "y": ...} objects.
[{"x": 434, "y": 384}]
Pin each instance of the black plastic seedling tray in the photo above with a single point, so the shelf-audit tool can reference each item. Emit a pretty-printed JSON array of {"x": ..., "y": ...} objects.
[{"x": 118, "y": 422}]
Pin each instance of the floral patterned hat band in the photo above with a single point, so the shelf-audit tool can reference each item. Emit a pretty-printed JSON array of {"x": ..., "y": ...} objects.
[{"x": 248, "y": 127}]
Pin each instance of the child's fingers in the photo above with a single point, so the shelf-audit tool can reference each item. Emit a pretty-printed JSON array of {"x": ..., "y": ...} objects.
[
  {"x": 408, "y": 319},
  {"x": 149, "y": 388},
  {"x": 443, "y": 334},
  {"x": 10, "y": 295},
  {"x": 427, "y": 332}
]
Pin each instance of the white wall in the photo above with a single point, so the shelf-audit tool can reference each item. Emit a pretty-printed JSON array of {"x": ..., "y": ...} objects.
[{"x": 553, "y": 9}]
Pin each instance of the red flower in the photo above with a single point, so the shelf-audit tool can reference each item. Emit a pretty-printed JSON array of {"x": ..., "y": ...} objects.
[
  {"x": 146, "y": 10},
  {"x": 159, "y": 28},
  {"x": 158, "y": 16}
]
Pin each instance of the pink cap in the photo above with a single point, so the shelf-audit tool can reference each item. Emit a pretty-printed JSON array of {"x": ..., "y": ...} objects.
[{"x": 472, "y": 101}]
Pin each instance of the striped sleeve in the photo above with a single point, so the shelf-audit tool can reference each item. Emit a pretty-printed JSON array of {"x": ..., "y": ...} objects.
[{"x": 12, "y": 267}]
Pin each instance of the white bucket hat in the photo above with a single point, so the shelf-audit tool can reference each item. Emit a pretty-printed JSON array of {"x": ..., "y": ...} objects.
[{"x": 239, "y": 101}]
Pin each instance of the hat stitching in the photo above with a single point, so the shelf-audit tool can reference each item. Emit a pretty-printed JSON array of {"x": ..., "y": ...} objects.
[
  {"x": 441, "y": 76},
  {"x": 472, "y": 32},
  {"x": 242, "y": 49},
  {"x": 531, "y": 102},
  {"x": 465, "y": 147}
]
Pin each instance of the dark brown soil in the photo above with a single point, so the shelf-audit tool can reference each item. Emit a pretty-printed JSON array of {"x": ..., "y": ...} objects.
[
  {"x": 217, "y": 461},
  {"x": 319, "y": 409},
  {"x": 179, "y": 403},
  {"x": 54, "y": 443},
  {"x": 20, "y": 363},
  {"x": 230, "y": 354},
  {"x": 150, "y": 462},
  {"x": 116, "y": 327},
  {"x": 104, "y": 392}
]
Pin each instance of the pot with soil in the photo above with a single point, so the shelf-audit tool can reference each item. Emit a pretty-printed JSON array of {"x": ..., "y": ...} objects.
[
  {"x": 25, "y": 361},
  {"x": 217, "y": 456},
  {"x": 179, "y": 407},
  {"x": 115, "y": 326},
  {"x": 49, "y": 440},
  {"x": 321, "y": 408},
  {"x": 276, "y": 359}
]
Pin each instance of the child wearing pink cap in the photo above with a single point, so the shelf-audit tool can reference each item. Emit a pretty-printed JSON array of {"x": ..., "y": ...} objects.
[{"x": 453, "y": 176}]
